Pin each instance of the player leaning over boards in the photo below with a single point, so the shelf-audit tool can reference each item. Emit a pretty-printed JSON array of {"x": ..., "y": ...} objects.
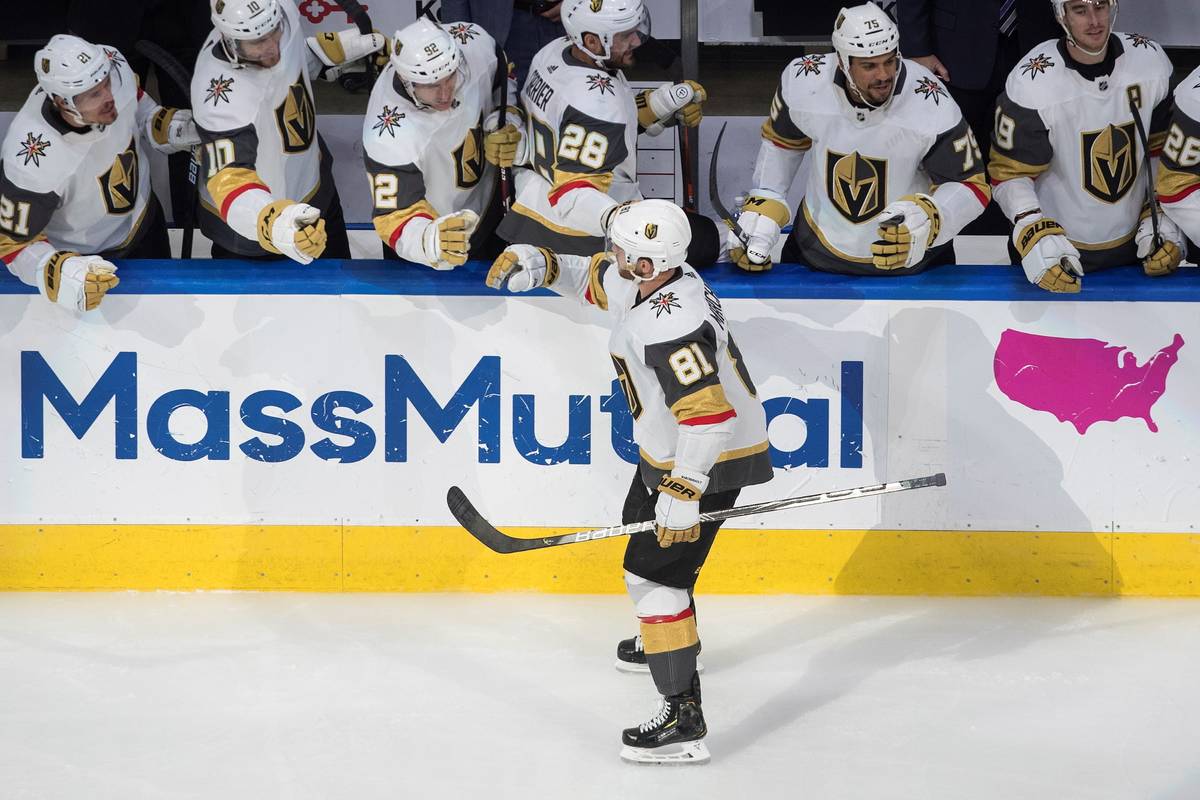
[
  {"x": 700, "y": 429},
  {"x": 267, "y": 188},
  {"x": 433, "y": 170},
  {"x": 1066, "y": 162},
  {"x": 75, "y": 176},
  {"x": 1179, "y": 170},
  {"x": 895, "y": 172},
  {"x": 584, "y": 121}
]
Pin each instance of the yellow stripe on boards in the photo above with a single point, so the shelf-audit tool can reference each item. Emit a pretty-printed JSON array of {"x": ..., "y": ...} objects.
[{"x": 333, "y": 558}]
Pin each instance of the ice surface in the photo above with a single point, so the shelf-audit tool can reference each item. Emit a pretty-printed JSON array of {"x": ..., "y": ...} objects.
[{"x": 162, "y": 695}]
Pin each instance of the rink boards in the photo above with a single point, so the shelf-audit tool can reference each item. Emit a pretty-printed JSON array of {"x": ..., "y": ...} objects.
[{"x": 220, "y": 425}]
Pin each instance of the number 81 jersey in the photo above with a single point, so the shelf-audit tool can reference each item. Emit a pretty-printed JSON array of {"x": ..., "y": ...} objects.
[{"x": 678, "y": 365}]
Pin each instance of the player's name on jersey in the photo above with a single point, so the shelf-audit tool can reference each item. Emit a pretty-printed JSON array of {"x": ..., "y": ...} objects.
[
  {"x": 537, "y": 91},
  {"x": 340, "y": 412}
]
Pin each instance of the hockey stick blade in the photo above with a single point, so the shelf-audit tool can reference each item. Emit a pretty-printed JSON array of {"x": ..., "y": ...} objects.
[
  {"x": 714, "y": 196},
  {"x": 473, "y": 522}
]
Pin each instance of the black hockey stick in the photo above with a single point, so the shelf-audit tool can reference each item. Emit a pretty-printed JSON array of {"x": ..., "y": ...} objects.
[
  {"x": 481, "y": 529},
  {"x": 1150, "y": 198},
  {"x": 714, "y": 195},
  {"x": 505, "y": 175},
  {"x": 168, "y": 65},
  {"x": 354, "y": 81}
]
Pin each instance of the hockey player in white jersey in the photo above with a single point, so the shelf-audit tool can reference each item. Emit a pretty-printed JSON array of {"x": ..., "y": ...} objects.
[
  {"x": 894, "y": 174},
  {"x": 583, "y": 124},
  {"x": 1066, "y": 164},
  {"x": 432, "y": 143},
  {"x": 700, "y": 428},
  {"x": 1179, "y": 169},
  {"x": 75, "y": 175},
  {"x": 267, "y": 182}
]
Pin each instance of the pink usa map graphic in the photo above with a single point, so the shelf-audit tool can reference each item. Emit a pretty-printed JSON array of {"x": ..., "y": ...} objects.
[{"x": 1082, "y": 381}]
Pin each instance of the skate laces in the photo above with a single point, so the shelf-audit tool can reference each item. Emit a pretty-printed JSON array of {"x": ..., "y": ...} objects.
[{"x": 664, "y": 711}]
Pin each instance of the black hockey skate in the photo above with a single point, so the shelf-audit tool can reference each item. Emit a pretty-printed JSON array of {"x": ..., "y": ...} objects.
[
  {"x": 675, "y": 735},
  {"x": 631, "y": 657}
]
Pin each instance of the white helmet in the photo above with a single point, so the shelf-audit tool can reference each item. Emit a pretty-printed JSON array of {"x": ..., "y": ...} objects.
[
  {"x": 605, "y": 18},
  {"x": 244, "y": 21},
  {"x": 425, "y": 53},
  {"x": 1060, "y": 14},
  {"x": 68, "y": 66},
  {"x": 864, "y": 31},
  {"x": 653, "y": 229}
]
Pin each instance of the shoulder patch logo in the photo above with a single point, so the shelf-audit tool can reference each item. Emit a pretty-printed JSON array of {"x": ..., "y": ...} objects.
[
  {"x": 663, "y": 302},
  {"x": 930, "y": 89},
  {"x": 1036, "y": 65},
  {"x": 33, "y": 148},
  {"x": 219, "y": 89},
  {"x": 602, "y": 82},
  {"x": 388, "y": 120},
  {"x": 1138, "y": 40},
  {"x": 463, "y": 31},
  {"x": 810, "y": 64}
]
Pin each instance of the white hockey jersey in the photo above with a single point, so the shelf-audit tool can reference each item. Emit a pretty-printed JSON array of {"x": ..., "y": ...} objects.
[
  {"x": 84, "y": 190},
  {"x": 677, "y": 364},
  {"x": 582, "y": 133},
  {"x": 862, "y": 159},
  {"x": 258, "y": 130},
  {"x": 1069, "y": 129},
  {"x": 426, "y": 163},
  {"x": 1179, "y": 169}
]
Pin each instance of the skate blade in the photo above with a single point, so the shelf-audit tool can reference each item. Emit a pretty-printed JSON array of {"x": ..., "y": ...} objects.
[
  {"x": 643, "y": 669},
  {"x": 684, "y": 753}
]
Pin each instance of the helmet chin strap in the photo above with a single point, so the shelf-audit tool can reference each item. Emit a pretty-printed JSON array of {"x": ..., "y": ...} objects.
[
  {"x": 1094, "y": 53},
  {"x": 861, "y": 95}
]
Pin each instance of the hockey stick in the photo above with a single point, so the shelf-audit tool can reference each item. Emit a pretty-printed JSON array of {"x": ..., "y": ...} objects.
[
  {"x": 714, "y": 195},
  {"x": 474, "y": 523},
  {"x": 505, "y": 175},
  {"x": 1150, "y": 198},
  {"x": 168, "y": 65}
]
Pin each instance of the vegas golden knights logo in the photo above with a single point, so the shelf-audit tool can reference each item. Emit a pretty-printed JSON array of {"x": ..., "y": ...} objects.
[
  {"x": 468, "y": 158},
  {"x": 597, "y": 5},
  {"x": 119, "y": 186},
  {"x": 627, "y": 387},
  {"x": 1110, "y": 163},
  {"x": 297, "y": 119},
  {"x": 651, "y": 230},
  {"x": 856, "y": 184}
]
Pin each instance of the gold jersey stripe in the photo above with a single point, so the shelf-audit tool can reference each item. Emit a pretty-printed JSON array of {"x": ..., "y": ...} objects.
[
  {"x": 388, "y": 224},
  {"x": 600, "y": 181},
  {"x": 979, "y": 183},
  {"x": 8, "y": 245},
  {"x": 1005, "y": 168},
  {"x": 812, "y": 225},
  {"x": 771, "y": 135},
  {"x": 230, "y": 180},
  {"x": 1103, "y": 245},
  {"x": 526, "y": 211},
  {"x": 705, "y": 402},
  {"x": 596, "y": 283},
  {"x": 663, "y": 637},
  {"x": 1171, "y": 184}
]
